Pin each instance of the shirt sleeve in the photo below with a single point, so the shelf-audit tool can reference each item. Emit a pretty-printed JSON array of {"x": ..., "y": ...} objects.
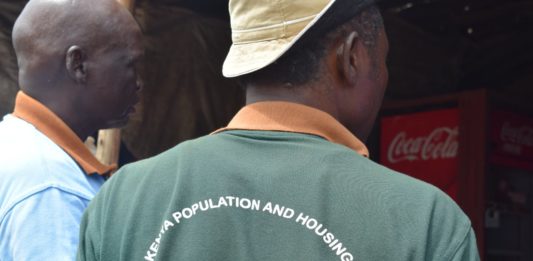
[
  {"x": 467, "y": 251},
  {"x": 91, "y": 227},
  {"x": 92, "y": 231},
  {"x": 43, "y": 226},
  {"x": 87, "y": 250}
]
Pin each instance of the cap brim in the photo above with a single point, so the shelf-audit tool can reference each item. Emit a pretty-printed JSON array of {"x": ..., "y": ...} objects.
[
  {"x": 249, "y": 57},
  {"x": 244, "y": 59}
]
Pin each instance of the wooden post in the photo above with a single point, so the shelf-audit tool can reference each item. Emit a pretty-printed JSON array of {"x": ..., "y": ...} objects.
[{"x": 108, "y": 145}]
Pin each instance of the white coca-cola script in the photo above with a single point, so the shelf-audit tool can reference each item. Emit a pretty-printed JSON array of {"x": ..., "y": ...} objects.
[
  {"x": 520, "y": 135},
  {"x": 441, "y": 143}
]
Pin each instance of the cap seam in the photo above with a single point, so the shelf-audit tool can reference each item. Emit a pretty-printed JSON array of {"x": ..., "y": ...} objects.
[
  {"x": 285, "y": 23},
  {"x": 263, "y": 40},
  {"x": 284, "y": 18}
]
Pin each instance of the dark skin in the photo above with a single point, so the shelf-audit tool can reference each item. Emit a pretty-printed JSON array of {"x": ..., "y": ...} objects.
[
  {"x": 350, "y": 86},
  {"x": 80, "y": 59}
]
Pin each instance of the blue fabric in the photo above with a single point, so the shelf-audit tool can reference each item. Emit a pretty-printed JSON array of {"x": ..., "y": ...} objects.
[{"x": 43, "y": 194}]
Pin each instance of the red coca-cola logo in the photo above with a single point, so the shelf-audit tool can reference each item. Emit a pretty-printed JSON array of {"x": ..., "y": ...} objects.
[
  {"x": 520, "y": 135},
  {"x": 441, "y": 143},
  {"x": 423, "y": 145},
  {"x": 511, "y": 139}
]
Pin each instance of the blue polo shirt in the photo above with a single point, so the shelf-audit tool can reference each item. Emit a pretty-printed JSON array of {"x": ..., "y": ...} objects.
[{"x": 44, "y": 185}]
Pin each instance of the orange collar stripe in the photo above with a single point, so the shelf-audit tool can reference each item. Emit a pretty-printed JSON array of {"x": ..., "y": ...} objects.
[
  {"x": 54, "y": 128},
  {"x": 292, "y": 117}
]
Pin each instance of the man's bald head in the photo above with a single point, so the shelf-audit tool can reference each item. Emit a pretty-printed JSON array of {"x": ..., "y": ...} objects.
[
  {"x": 47, "y": 28},
  {"x": 73, "y": 54}
]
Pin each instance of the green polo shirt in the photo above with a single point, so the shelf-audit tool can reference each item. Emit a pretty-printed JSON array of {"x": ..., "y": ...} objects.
[{"x": 281, "y": 182}]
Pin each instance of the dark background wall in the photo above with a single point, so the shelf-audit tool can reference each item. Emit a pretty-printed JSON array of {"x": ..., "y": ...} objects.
[{"x": 437, "y": 47}]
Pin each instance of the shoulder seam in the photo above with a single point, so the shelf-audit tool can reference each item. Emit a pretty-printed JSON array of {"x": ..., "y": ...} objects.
[
  {"x": 36, "y": 191},
  {"x": 465, "y": 237}
]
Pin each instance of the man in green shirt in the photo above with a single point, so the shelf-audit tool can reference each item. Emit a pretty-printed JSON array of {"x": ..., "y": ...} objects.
[{"x": 287, "y": 179}]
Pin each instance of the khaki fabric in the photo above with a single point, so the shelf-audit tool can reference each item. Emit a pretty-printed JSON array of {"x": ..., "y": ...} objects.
[{"x": 262, "y": 31}]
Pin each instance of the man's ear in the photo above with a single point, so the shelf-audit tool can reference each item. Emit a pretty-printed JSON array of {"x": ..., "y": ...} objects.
[
  {"x": 76, "y": 64},
  {"x": 347, "y": 63}
]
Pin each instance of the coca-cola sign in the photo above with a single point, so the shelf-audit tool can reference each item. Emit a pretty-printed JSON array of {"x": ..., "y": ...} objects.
[
  {"x": 512, "y": 140},
  {"x": 423, "y": 145},
  {"x": 441, "y": 143}
]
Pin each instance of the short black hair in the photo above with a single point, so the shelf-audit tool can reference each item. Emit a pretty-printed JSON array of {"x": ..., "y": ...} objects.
[{"x": 301, "y": 63}]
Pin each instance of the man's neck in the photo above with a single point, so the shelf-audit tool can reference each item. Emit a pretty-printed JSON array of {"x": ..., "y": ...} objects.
[
  {"x": 71, "y": 118},
  {"x": 305, "y": 95}
]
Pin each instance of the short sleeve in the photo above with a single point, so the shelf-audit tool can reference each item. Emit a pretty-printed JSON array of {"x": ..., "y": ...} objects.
[
  {"x": 467, "y": 251},
  {"x": 90, "y": 232},
  {"x": 43, "y": 226},
  {"x": 87, "y": 248}
]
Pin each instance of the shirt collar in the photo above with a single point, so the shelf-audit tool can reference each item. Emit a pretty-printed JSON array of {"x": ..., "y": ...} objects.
[
  {"x": 292, "y": 117},
  {"x": 54, "y": 128}
]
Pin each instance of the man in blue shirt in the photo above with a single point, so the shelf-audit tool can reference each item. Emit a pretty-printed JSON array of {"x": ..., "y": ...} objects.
[{"x": 77, "y": 74}]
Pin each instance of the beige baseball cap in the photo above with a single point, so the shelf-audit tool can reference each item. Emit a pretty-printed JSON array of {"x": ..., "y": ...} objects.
[{"x": 263, "y": 30}]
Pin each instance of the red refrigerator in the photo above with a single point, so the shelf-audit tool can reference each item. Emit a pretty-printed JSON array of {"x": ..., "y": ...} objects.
[{"x": 478, "y": 148}]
